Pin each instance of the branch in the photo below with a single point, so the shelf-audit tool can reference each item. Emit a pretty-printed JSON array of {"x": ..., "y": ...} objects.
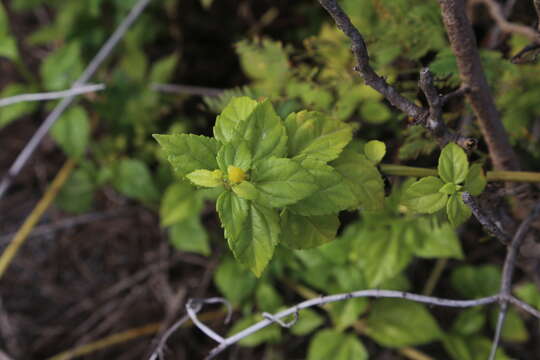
[
  {"x": 186, "y": 89},
  {"x": 463, "y": 43},
  {"x": 74, "y": 91},
  {"x": 346, "y": 296},
  {"x": 485, "y": 220},
  {"x": 103, "y": 53},
  {"x": 158, "y": 352}
]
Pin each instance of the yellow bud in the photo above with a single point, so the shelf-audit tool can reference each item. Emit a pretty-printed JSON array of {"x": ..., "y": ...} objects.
[{"x": 236, "y": 175}]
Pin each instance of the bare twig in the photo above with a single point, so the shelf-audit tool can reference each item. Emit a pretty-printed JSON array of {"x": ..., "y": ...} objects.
[
  {"x": 158, "y": 352},
  {"x": 103, "y": 53},
  {"x": 74, "y": 91},
  {"x": 463, "y": 42},
  {"x": 186, "y": 89},
  {"x": 280, "y": 322},
  {"x": 346, "y": 296},
  {"x": 508, "y": 272},
  {"x": 484, "y": 219},
  {"x": 193, "y": 306}
]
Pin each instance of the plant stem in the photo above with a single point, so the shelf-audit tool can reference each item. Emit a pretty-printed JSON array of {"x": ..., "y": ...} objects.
[{"x": 515, "y": 176}]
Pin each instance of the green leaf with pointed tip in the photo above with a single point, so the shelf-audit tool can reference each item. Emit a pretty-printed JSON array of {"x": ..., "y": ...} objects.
[
  {"x": 363, "y": 179},
  {"x": 399, "y": 323},
  {"x": 333, "y": 193},
  {"x": 236, "y": 154},
  {"x": 375, "y": 151},
  {"x": 438, "y": 241},
  {"x": 423, "y": 196},
  {"x": 233, "y": 281},
  {"x": 238, "y": 110},
  {"x": 133, "y": 179},
  {"x": 72, "y": 131},
  {"x": 179, "y": 203},
  {"x": 453, "y": 164},
  {"x": 332, "y": 344},
  {"x": 305, "y": 232},
  {"x": 246, "y": 190},
  {"x": 252, "y": 230},
  {"x": 476, "y": 181},
  {"x": 206, "y": 178},
  {"x": 314, "y": 135},
  {"x": 163, "y": 69},
  {"x": 188, "y": 152},
  {"x": 190, "y": 235},
  {"x": 282, "y": 182},
  {"x": 449, "y": 188},
  {"x": 264, "y": 133},
  {"x": 456, "y": 210}
]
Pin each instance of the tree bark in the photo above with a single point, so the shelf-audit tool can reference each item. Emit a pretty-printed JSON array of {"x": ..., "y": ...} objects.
[{"x": 463, "y": 42}]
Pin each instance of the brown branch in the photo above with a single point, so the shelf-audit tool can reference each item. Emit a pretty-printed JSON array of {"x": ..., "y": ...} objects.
[
  {"x": 463, "y": 43},
  {"x": 487, "y": 222}
]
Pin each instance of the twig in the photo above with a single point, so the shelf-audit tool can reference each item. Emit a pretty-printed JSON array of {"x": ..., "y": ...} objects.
[
  {"x": 281, "y": 322},
  {"x": 74, "y": 91},
  {"x": 158, "y": 352},
  {"x": 186, "y": 89},
  {"x": 508, "y": 272},
  {"x": 103, "y": 53},
  {"x": 43, "y": 204},
  {"x": 340, "y": 297},
  {"x": 484, "y": 219},
  {"x": 193, "y": 306}
]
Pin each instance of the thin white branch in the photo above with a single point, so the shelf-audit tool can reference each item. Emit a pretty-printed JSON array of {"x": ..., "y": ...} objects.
[
  {"x": 193, "y": 306},
  {"x": 51, "y": 95},
  {"x": 103, "y": 53},
  {"x": 524, "y": 306},
  {"x": 281, "y": 322},
  {"x": 158, "y": 352},
  {"x": 341, "y": 297}
]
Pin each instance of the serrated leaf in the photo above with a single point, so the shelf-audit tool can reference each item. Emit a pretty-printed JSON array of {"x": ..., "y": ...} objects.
[
  {"x": 72, "y": 131},
  {"x": 400, "y": 323},
  {"x": 333, "y": 193},
  {"x": 303, "y": 232},
  {"x": 62, "y": 67},
  {"x": 281, "y": 182},
  {"x": 453, "y": 164},
  {"x": 264, "y": 133},
  {"x": 363, "y": 179},
  {"x": 187, "y": 152},
  {"x": 252, "y": 230},
  {"x": 332, "y": 344},
  {"x": 236, "y": 154},
  {"x": 179, "y": 203},
  {"x": 375, "y": 151},
  {"x": 315, "y": 135},
  {"x": 206, "y": 178},
  {"x": 476, "y": 282},
  {"x": 133, "y": 179},
  {"x": 233, "y": 281},
  {"x": 456, "y": 210},
  {"x": 189, "y": 235},
  {"x": 238, "y": 110},
  {"x": 476, "y": 181},
  {"x": 423, "y": 196}
]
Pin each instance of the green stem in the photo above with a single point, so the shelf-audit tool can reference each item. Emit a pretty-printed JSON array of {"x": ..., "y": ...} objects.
[{"x": 515, "y": 176}]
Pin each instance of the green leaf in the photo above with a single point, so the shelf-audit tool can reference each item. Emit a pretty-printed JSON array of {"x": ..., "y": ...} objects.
[
  {"x": 331, "y": 344},
  {"x": 8, "y": 47},
  {"x": 449, "y": 188},
  {"x": 252, "y": 230},
  {"x": 470, "y": 348},
  {"x": 270, "y": 334},
  {"x": 439, "y": 241},
  {"x": 72, "y": 131},
  {"x": 423, "y": 196},
  {"x": 179, "y": 203},
  {"x": 308, "y": 320},
  {"x": 236, "y": 154},
  {"x": 375, "y": 112},
  {"x": 187, "y": 152},
  {"x": 189, "y": 235},
  {"x": 400, "y": 323},
  {"x": 282, "y": 182},
  {"x": 333, "y": 193},
  {"x": 456, "y": 209},
  {"x": 453, "y": 164},
  {"x": 375, "y": 151},
  {"x": 62, "y": 67},
  {"x": 529, "y": 293},
  {"x": 345, "y": 313},
  {"x": 457, "y": 347},
  {"x": 77, "y": 194},
  {"x": 514, "y": 329},
  {"x": 363, "y": 179},
  {"x": 317, "y": 136},
  {"x": 268, "y": 299},
  {"x": 303, "y": 232},
  {"x": 476, "y": 282},
  {"x": 206, "y": 178},
  {"x": 246, "y": 190},
  {"x": 264, "y": 133},
  {"x": 234, "y": 282},
  {"x": 133, "y": 179},
  {"x": 469, "y": 321},
  {"x": 238, "y": 110},
  {"x": 476, "y": 181},
  {"x": 163, "y": 69}
]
